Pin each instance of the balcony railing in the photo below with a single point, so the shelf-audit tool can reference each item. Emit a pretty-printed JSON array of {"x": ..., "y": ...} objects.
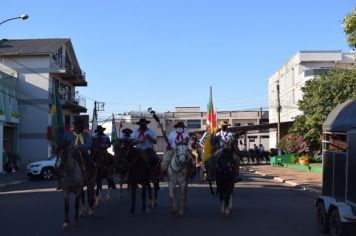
[{"x": 70, "y": 71}]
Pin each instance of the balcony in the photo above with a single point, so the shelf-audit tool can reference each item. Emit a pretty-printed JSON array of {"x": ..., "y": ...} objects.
[
  {"x": 63, "y": 67},
  {"x": 75, "y": 103}
]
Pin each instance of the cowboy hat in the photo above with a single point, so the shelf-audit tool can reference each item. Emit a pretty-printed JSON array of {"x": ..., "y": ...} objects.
[
  {"x": 224, "y": 123},
  {"x": 179, "y": 124},
  {"x": 127, "y": 131},
  {"x": 143, "y": 120},
  {"x": 99, "y": 128}
]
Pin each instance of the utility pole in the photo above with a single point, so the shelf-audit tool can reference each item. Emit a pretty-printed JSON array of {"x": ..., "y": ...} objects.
[{"x": 278, "y": 114}]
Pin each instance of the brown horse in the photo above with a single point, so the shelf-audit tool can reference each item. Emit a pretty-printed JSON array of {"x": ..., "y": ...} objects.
[
  {"x": 130, "y": 161},
  {"x": 71, "y": 177},
  {"x": 105, "y": 169}
]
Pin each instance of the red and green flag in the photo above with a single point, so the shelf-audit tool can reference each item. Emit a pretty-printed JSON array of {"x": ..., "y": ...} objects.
[{"x": 210, "y": 127}]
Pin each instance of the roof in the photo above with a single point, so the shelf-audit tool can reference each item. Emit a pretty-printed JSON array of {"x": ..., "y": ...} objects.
[
  {"x": 241, "y": 130},
  {"x": 31, "y": 46},
  {"x": 342, "y": 118}
]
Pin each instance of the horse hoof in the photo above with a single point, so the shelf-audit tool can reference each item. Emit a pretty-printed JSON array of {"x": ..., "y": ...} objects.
[
  {"x": 227, "y": 212},
  {"x": 90, "y": 212},
  {"x": 65, "y": 225},
  {"x": 181, "y": 213}
]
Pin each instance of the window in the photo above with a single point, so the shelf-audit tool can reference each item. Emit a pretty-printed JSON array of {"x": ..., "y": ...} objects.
[
  {"x": 250, "y": 123},
  {"x": 237, "y": 124},
  {"x": 335, "y": 142},
  {"x": 193, "y": 124}
]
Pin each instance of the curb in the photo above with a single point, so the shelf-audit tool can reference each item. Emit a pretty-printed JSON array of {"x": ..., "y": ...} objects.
[
  {"x": 13, "y": 183},
  {"x": 280, "y": 180}
]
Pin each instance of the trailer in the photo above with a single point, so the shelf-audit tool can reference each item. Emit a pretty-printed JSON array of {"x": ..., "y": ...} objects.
[{"x": 336, "y": 208}]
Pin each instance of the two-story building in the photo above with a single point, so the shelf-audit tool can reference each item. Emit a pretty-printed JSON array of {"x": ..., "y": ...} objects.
[
  {"x": 39, "y": 63},
  {"x": 291, "y": 77}
]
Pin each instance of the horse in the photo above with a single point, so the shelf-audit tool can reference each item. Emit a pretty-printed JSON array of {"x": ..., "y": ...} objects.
[
  {"x": 130, "y": 161},
  {"x": 222, "y": 168},
  {"x": 72, "y": 179},
  {"x": 105, "y": 169},
  {"x": 178, "y": 175}
]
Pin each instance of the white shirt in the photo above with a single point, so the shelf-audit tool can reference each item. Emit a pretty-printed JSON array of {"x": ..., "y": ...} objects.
[
  {"x": 136, "y": 135},
  {"x": 177, "y": 136}
]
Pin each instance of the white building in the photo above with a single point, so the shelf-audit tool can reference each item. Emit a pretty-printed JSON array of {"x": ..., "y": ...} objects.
[
  {"x": 291, "y": 77},
  {"x": 195, "y": 120},
  {"x": 39, "y": 64}
]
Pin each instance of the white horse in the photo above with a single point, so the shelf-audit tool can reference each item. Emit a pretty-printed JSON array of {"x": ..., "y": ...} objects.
[{"x": 178, "y": 175}]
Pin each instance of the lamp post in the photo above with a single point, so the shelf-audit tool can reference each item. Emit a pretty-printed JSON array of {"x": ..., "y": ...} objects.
[{"x": 22, "y": 17}]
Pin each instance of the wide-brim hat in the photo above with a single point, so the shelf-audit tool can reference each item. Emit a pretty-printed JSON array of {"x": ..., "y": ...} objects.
[
  {"x": 224, "y": 123},
  {"x": 143, "y": 121},
  {"x": 179, "y": 124},
  {"x": 127, "y": 131},
  {"x": 99, "y": 128}
]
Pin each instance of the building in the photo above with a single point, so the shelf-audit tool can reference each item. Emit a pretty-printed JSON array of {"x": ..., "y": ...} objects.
[
  {"x": 195, "y": 120},
  {"x": 39, "y": 64},
  {"x": 291, "y": 77},
  {"x": 9, "y": 113}
]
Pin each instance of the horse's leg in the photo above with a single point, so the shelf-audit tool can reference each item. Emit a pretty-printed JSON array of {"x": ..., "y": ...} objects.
[
  {"x": 156, "y": 187},
  {"x": 143, "y": 195},
  {"x": 77, "y": 198},
  {"x": 211, "y": 187},
  {"x": 82, "y": 202},
  {"x": 66, "y": 210},
  {"x": 172, "y": 192},
  {"x": 99, "y": 185},
  {"x": 183, "y": 192},
  {"x": 149, "y": 190},
  {"x": 133, "y": 197},
  {"x": 91, "y": 197}
]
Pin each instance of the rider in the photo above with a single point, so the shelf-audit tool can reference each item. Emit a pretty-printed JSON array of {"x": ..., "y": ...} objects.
[
  {"x": 177, "y": 136},
  {"x": 221, "y": 140},
  {"x": 144, "y": 138},
  {"x": 101, "y": 141},
  {"x": 80, "y": 140}
]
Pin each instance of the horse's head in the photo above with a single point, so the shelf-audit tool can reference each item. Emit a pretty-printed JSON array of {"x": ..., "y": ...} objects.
[
  {"x": 179, "y": 160},
  {"x": 123, "y": 152},
  {"x": 225, "y": 162},
  {"x": 66, "y": 151}
]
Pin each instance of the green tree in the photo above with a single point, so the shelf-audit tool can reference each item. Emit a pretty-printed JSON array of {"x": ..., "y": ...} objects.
[
  {"x": 321, "y": 95},
  {"x": 349, "y": 24}
]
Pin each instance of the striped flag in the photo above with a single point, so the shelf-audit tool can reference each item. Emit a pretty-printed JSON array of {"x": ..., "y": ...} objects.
[
  {"x": 94, "y": 124},
  {"x": 211, "y": 128},
  {"x": 113, "y": 130},
  {"x": 57, "y": 129}
]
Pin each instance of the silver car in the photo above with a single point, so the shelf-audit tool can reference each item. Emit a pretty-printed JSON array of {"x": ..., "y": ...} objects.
[{"x": 44, "y": 169}]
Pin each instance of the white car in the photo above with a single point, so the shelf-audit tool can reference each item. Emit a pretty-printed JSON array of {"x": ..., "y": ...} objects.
[{"x": 44, "y": 169}]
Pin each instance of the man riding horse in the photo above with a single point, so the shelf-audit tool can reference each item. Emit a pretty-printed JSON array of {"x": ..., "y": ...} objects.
[
  {"x": 80, "y": 140},
  {"x": 143, "y": 139},
  {"x": 222, "y": 140},
  {"x": 177, "y": 136}
]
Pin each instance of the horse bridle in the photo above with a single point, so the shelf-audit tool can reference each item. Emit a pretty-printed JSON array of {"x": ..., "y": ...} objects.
[
  {"x": 125, "y": 158},
  {"x": 176, "y": 160}
]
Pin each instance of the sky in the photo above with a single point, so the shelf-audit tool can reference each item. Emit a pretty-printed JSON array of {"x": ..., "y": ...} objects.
[{"x": 166, "y": 53}]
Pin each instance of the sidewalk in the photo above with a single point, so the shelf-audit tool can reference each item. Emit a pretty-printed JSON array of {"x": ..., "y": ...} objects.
[
  {"x": 309, "y": 181},
  {"x": 13, "y": 178}
]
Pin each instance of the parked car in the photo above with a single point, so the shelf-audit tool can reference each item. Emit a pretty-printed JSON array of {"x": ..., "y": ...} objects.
[{"x": 44, "y": 169}]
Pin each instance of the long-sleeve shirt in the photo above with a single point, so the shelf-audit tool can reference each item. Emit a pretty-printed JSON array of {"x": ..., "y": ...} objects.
[
  {"x": 76, "y": 140},
  {"x": 175, "y": 137},
  {"x": 101, "y": 142},
  {"x": 221, "y": 138},
  {"x": 139, "y": 135}
]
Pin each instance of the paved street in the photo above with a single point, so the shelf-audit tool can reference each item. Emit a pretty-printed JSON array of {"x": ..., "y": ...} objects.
[{"x": 261, "y": 207}]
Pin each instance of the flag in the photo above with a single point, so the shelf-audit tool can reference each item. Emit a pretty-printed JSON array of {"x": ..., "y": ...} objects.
[
  {"x": 94, "y": 124},
  {"x": 113, "y": 130},
  {"x": 57, "y": 129},
  {"x": 211, "y": 128}
]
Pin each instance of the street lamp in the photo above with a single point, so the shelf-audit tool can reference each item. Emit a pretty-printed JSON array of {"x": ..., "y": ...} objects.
[{"x": 22, "y": 17}]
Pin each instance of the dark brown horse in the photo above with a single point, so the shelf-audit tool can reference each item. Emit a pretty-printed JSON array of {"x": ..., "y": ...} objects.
[
  {"x": 130, "y": 161},
  {"x": 105, "y": 169}
]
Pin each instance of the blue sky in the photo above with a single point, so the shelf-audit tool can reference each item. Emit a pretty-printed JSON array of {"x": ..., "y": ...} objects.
[{"x": 166, "y": 53}]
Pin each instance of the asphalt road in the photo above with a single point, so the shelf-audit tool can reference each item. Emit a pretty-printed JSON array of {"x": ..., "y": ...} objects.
[{"x": 260, "y": 207}]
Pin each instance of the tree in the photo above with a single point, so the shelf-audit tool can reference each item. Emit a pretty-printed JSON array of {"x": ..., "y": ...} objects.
[
  {"x": 349, "y": 24},
  {"x": 321, "y": 95}
]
